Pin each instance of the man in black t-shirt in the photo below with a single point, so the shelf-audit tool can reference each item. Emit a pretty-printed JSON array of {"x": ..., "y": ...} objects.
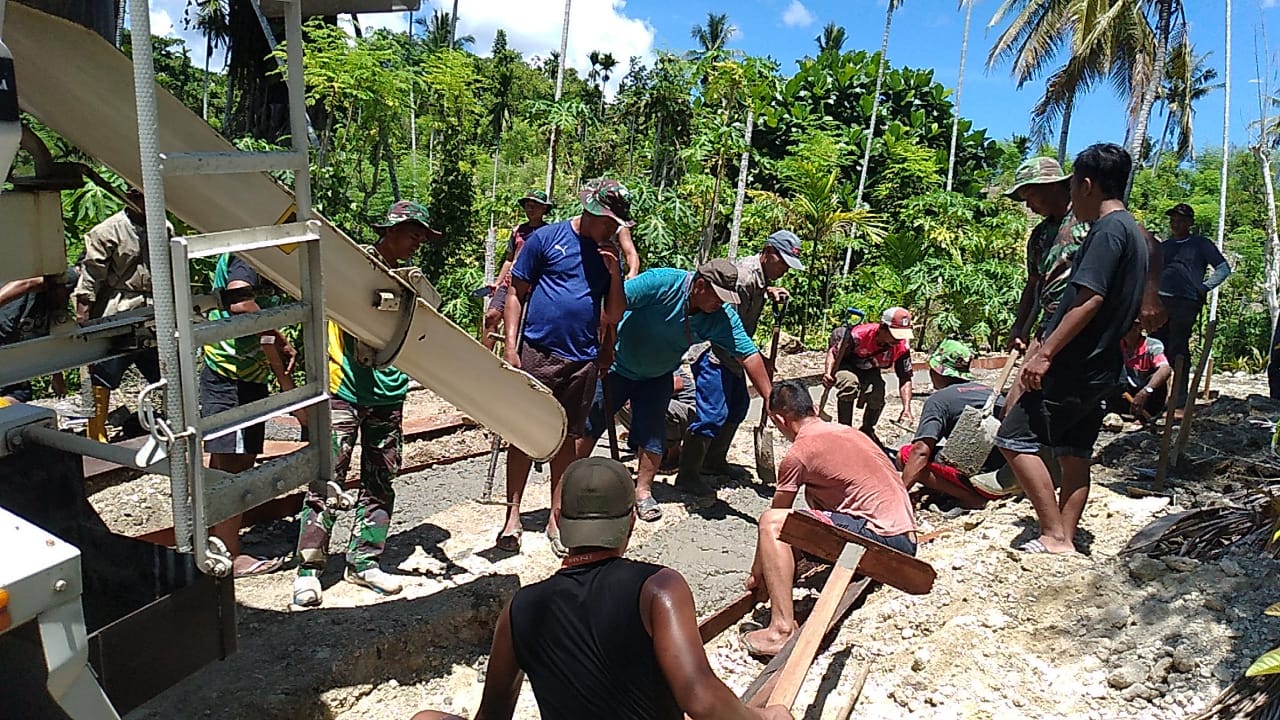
[
  {"x": 605, "y": 636},
  {"x": 954, "y": 390},
  {"x": 1183, "y": 287},
  {"x": 1080, "y": 361}
]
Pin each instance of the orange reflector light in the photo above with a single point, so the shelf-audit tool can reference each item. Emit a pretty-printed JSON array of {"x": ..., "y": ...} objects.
[{"x": 5, "y": 620}]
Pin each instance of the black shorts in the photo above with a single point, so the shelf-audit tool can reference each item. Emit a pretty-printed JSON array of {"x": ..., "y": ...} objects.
[
  {"x": 218, "y": 393},
  {"x": 499, "y": 299},
  {"x": 108, "y": 373},
  {"x": 1064, "y": 419},
  {"x": 572, "y": 382}
]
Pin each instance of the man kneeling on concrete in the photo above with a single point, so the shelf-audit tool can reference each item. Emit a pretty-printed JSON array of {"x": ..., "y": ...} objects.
[
  {"x": 953, "y": 391},
  {"x": 848, "y": 482},
  {"x": 604, "y": 636}
]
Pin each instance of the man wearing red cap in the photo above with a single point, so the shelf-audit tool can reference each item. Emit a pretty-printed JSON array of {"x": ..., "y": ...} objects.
[{"x": 855, "y": 358}]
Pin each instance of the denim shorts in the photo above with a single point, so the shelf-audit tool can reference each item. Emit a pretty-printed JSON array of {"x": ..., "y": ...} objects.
[{"x": 648, "y": 399}]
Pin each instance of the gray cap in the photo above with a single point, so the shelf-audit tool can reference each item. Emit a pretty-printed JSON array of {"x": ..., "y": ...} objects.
[
  {"x": 597, "y": 497},
  {"x": 788, "y": 246}
]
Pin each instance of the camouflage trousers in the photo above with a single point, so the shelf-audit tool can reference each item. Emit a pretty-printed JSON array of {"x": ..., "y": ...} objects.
[{"x": 381, "y": 436}]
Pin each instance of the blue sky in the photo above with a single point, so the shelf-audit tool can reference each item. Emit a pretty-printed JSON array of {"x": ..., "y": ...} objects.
[{"x": 926, "y": 34}]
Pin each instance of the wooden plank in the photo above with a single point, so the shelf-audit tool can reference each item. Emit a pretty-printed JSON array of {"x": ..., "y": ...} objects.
[
  {"x": 725, "y": 617},
  {"x": 758, "y": 692},
  {"x": 814, "y": 629},
  {"x": 910, "y": 575}
]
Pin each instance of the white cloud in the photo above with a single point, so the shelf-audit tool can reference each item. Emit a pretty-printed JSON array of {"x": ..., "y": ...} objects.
[
  {"x": 533, "y": 27},
  {"x": 797, "y": 15},
  {"x": 161, "y": 23},
  {"x": 1268, "y": 4}
]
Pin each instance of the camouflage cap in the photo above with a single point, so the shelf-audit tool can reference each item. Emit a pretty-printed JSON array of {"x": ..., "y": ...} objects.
[
  {"x": 407, "y": 211},
  {"x": 537, "y": 196},
  {"x": 952, "y": 359},
  {"x": 1036, "y": 171},
  {"x": 607, "y": 198}
]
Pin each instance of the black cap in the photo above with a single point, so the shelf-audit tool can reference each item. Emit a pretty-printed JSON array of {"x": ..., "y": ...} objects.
[{"x": 1182, "y": 209}]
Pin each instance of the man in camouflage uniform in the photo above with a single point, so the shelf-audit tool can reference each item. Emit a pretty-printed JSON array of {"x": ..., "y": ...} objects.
[
  {"x": 368, "y": 403},
  {"x": 1044, "y": 187}
]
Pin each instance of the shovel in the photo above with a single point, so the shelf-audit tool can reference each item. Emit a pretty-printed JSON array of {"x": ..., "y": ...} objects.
[
  {"x": 973, "y": 436},
  {"x": 766, "y": 466},
  {"x": 855, "y": 315}
]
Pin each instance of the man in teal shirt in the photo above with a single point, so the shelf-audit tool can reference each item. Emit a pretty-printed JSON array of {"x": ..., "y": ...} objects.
[{"x": 668, "y": 311}]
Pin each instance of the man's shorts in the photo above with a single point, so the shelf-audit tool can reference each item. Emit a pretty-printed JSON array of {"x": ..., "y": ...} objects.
[
  {"x": 858, "y": 526},
  {"x": 572, "y": 382},
  {"x": 1066, "y": 420},
  {"x": 218, "y": 393},
  {"x": 649, "y": 400},
  {"x": 498, "y": 300},
  {"x": 108, "y": 373}
]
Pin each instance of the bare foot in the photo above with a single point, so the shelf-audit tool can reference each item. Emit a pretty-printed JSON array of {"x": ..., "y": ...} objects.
[{"x": 765, "y": 642}]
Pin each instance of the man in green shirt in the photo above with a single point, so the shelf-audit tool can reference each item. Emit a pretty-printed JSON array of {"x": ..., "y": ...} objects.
[
  {"x": 368, "y": 403},
  {"x": 235, "y": 373}
]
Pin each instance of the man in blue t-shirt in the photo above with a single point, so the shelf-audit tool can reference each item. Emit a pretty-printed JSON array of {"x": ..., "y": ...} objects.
[
  {"x": 667, "y": 312},
  {"x": 1183, "y": 287},
  {"x": 567, "y": 286}
]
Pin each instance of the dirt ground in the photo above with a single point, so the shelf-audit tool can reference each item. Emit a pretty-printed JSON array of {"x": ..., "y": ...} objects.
[{"x": 1002, "y": 635}]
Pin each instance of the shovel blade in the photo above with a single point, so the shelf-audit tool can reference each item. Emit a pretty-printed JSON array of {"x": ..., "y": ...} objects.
[{"x": 766, "y": 468}]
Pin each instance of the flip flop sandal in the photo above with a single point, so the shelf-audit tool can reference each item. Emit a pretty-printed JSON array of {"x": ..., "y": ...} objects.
[
  {"x": 1035, "y": 547},
  {"x": 261, "y": 567},
  {"x": 751, "y": 649},
  {"x": 647, "y": 509},
  {"x": 557, "y": 547},
  {"x": 509, "y": 542},
  {"x": 307, "y": 591}
]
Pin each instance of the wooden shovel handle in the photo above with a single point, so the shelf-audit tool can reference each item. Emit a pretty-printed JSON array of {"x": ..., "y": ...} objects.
[{"x": 1009, "y": 363}]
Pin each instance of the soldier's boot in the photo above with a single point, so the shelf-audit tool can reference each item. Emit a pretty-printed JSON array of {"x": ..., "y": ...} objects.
[
  {"x": 689, "y": 477},
  {"x": 717, "y": 461}
]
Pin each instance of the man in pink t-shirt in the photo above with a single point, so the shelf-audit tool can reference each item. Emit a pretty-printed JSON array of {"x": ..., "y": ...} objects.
[{"x": 848, "y": 482}]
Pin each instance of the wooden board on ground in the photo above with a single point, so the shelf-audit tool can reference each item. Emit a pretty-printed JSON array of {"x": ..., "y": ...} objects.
[
  {"x": 806, "y": 532},
  {"x": 725, "y": 617}
]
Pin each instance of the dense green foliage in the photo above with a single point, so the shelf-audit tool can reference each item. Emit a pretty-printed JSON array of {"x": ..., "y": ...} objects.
[{"x": 398, "y": 115}]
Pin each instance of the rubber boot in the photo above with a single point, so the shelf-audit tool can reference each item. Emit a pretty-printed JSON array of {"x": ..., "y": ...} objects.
[
  {"x": 97, "y": 429},
  {"x": 717, "y": 462},
  {"x": 692, "y": 453}
]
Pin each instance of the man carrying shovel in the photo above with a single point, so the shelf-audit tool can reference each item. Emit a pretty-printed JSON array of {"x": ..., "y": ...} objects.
[
  {"x": 720, "y": 381},
  {"x": 668, "y": 311},
  {"x": 855, "y": 357}
]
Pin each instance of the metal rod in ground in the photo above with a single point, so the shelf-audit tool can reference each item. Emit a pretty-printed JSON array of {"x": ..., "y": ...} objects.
[
  {"x": 1189, "y": 407},
  {"x": 1166, "y": 438}
]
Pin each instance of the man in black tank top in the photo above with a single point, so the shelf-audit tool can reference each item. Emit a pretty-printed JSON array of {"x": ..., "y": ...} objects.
[{"x": 604, "y": 636}]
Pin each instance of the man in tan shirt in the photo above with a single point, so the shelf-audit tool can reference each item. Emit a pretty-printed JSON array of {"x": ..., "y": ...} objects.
[{"x": 115, "y": 278}]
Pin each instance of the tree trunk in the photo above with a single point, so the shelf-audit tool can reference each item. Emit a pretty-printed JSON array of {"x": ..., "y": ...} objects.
[
  {"x": 871, "y": 125},
  {"x": 392, "y": 176},
  {"x": 704, "y": 250},
  {"x": 1222, "y": 177},
  {"x": 208, "y": 50},
  {"x": 555, "y": 131},
  {"x": 955, "y": 115},
  {"x": 453, "y": 27},
  {"x": 1064, "y": 131},
  {"x": 1272, "y": 265},
  {"x": 490, "y": 240},
  {"x": 1149, "y": 93},
  {"x": 1164, "y": 136},
  {"x": 741, "y": 195}
]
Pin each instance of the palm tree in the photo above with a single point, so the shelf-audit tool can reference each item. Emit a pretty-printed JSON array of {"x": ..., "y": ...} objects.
[
  {"x": 955, "y": 109},
  {"x": 712, "y": 37},
  {"x": 1187, "y": 80},
  {"x": 890, "y": 8},
  {"x": 438, "y": 32},
  {"x": 210, "y": 18},
  {"x": 1170, "y": 25},
  {"x": 1271, "y": 280},
  {"x": 555, "y": 130},
  {"x": 831, "y": 40},
  {"x": 1104, "y": 40}
]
